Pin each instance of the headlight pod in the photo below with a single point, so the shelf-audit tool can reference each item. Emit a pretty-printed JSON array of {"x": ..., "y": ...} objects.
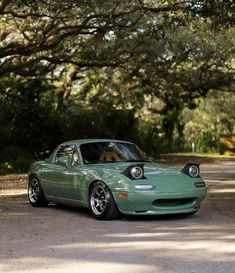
[
  {"x": 135, "y": 172},
  {"x": 192, "y": 170}
]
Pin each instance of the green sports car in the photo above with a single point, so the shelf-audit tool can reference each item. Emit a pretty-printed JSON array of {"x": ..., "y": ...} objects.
[{"x": 112, "y": 177}]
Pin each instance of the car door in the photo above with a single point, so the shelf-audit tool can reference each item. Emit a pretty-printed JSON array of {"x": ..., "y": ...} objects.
[{"x": 63, "y": 183}]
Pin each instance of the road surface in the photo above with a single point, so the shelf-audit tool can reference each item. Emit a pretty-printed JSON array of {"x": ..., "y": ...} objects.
[{"x": 64, "y": 239}]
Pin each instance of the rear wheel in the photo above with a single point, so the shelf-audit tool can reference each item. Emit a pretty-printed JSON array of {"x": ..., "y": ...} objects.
[
  {"x": 35, "y": 193},
  {"x": 102, "y": 203}
]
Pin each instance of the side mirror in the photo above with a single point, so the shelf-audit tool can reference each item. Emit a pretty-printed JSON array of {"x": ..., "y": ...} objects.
[{"x": 63, "y": 160}]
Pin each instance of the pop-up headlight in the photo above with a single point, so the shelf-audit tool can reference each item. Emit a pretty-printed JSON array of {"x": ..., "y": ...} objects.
[
  {"x": 192, "y": 170},
  {"x": 135, "y": 172}
]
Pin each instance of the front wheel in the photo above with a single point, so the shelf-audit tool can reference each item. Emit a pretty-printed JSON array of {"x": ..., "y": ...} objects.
[
  {"x": 35, "y": 193},
  {"x": 102, "y": 203}
]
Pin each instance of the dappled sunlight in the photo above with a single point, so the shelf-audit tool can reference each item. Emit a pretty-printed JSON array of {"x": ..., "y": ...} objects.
[
  {"x": 96, "y": 246},
  {"x": 138, "y": 235},
  {"x": 229, "y": 190},
  {"x": 83, "y": 266},
  {"x": 218, "y": 172},
  {"x": 228, "y": 237},
  {"x": 126, "y": 256},
  {"x": 9, "y": 192},
  {"x": 167, "y": 245}
]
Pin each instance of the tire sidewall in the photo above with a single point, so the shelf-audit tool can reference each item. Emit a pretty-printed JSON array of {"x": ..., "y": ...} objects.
[
  {"x": 109, "y": 197},
  {"x": 41, "y": 201}
]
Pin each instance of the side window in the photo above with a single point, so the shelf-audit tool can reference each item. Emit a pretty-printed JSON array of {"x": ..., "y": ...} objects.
[{"x": 67, "y": 154}]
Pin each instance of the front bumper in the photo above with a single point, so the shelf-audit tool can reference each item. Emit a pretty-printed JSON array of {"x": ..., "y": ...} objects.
[{"x": 142, "y": 202}]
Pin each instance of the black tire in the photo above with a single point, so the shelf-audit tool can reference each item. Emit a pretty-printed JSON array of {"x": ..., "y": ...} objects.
[
  {"x": 191, "y": 213},
  {"x": 102, "y": 203},
  {"x": 35, "y": 193}
]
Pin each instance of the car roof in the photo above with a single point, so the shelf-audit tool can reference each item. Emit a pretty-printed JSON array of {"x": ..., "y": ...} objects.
[{"x": 79, "y": 142}]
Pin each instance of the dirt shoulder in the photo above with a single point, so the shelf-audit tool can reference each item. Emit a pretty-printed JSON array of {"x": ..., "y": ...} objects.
[
  {"x": 13, "y": 181},
  {"x": 182, "y": 159}
]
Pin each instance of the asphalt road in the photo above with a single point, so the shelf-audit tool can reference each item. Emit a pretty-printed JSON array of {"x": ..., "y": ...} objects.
[{"x": 62, "y": 239}]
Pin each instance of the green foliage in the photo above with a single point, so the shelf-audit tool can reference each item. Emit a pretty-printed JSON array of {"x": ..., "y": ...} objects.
[
  {"x": 134, "y": 70},
  {"x": 15, "y": 159},
  {"x": 212, "y": 118}
]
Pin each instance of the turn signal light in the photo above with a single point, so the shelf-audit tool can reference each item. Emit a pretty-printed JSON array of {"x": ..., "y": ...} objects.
[
  {"x": 122, "y": 195},
  {"x": 200, "y": 184}
]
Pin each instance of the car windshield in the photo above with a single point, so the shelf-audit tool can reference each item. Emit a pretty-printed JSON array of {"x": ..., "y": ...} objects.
[{"x": 109, "y": 152}]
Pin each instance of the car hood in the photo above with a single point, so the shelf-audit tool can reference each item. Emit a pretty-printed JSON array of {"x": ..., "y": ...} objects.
[
  {"x": 150, "y": 169},
  {"x": 164, "y": 178}
]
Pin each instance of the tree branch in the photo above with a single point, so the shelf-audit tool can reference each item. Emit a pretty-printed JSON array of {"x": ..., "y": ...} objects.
[{"x": 3, "y": 5}]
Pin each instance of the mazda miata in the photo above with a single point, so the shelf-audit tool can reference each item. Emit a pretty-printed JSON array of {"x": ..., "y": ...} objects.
[{"x": 112, "y": 177}]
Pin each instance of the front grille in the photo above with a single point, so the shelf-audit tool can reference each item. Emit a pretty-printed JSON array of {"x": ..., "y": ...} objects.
[{"x": 173, "y": 202}]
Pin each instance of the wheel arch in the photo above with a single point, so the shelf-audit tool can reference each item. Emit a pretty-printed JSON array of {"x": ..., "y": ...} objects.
[
  {"x": 93, "y": 183},
  {"x": 112, "y": 207},
  {"x": 33, "y": 174}
]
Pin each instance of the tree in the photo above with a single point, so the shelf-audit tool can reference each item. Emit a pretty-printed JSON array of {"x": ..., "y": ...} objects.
[
  {"x": 209, "y": 121},
  {"x": 38, "y": 35},
  {"x": 178, "y": 59},
  {"x": 88, "y": 62}
]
